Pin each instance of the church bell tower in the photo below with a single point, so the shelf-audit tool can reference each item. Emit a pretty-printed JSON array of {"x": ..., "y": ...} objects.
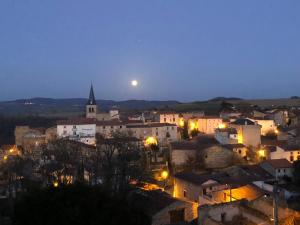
[{"x": 91, "y": 106}]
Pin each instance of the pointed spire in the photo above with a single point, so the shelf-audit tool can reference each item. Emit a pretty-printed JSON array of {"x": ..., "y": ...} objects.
[{"x": 92, "y": 100}]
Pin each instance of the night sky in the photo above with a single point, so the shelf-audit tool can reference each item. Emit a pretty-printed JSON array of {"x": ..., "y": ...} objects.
[{"x": 177, "y": 49}]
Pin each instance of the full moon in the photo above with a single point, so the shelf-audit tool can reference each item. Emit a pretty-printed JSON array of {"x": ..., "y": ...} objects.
[{"x": 134, "y": 83}]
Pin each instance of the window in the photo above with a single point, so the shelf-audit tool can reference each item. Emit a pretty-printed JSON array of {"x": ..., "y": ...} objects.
[
  {"x": 156, "y": 133},
  {"x": 111, "y": 127},
  {"x": 291, "y": 158},
  {"x": 173, "y": 119},
  {"x": 74, "y": 132},
  {"x": 165, "y": 119},
  {"x": 240, "y": 151},
  {"x": 278, "y": 170},
  {"x": 184, "y": 193},
  {"x": 74, "y": 127},
  {"x": 103, "y": 127},
  {"x": 120, "y": 127}
]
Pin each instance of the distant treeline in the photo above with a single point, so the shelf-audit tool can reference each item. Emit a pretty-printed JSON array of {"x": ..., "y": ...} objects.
[{"x": 8, "y": 124}]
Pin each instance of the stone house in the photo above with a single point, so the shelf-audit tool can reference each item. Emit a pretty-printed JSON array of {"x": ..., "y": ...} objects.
[
  {"x": 284, "y": 151},
  {"x": 268, "y": 125},
  {"x": 162, "y": 208},
  {"x": 249, "y": 133},
  {"x": 239, "y": 149},
  {"x": 168, "y": 117},
  {"x": 208, "y": 124},
  {"x": 182, "y": 151},
  {"x": 226, "y": 136},
  {"x": 217, "y": 156},
  {"x": 279, "y": 168},
  {"x": 213, "y": 188}
]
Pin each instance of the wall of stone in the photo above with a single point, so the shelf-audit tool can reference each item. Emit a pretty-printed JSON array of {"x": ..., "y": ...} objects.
[
  {"x": 180, "y": 157},
  {"x": 217, "y": 157},
  {"x": 20, "y": 131},
  {"x": 192, "y": 191},
  {"x": 265, "y": 205},
  {"x": 163, "y": 217}
]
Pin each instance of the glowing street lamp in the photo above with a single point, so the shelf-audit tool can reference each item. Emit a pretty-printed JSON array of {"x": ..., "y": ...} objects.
[
  {"x": 55, "y": 184},
  {"x": 261, "y": 153},
  {"x": 181, "y": 122},
  {"x": 164, "y": 174},
  {"x": 222, "y": 126},
  {"x": 151, "y": 141},
  {"x": 192, "y": 125}
]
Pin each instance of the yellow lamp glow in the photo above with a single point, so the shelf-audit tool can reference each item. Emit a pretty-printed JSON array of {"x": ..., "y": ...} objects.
[
  {"x": 276, "y": 131},
  {"x": 261, "y": 153},
  {"x": 240, "y": 138},
  {"x": 193, "y": 125},
  {"x": 55, "y": 184},
  {"x": 11, "y": 150},
  {"x": 181, "y": 122},
  {"x": 164, "y": 174},
  {"x": 151, "y": 141},
  {"x": 222, "y": 126},
  {"x": 5, "y": 157}
]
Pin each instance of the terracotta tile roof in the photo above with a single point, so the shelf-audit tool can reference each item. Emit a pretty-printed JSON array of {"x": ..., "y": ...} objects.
[
  {"x": 278, "y": 163},
  {"x": 233, "y": 146},
  {"x": 227, "y": 130},
  {"x": 77, "y": 121},
  {"x": 149, "y": 125},
  {"x": 255, "y": 172},
  {"x": 110, "y": 123},
  {"x": 184, "y": 145},
  {"x": 167, "y": 113},
  {"x": 243, "y": 122},
  {"x": 156, "y": 201},
  {"x": 198, "y": 179},
  {"x": 210, "y": 117}
]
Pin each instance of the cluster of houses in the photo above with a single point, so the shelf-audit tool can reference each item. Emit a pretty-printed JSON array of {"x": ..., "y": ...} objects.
[{"x": 226, "y": 169}]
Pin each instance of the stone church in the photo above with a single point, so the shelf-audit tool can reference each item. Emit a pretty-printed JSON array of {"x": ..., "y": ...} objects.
[{"x": 92, "y": 110}]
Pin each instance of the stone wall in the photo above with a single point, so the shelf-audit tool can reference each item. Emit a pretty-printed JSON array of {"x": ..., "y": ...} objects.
[
  {"x": 20, "y": 131},
  {"x": 163, "y": 217},
  {"x": 265, "y": 205},
  {"x": 217, "y": 157},
  {"x": 192, "y": 191}
]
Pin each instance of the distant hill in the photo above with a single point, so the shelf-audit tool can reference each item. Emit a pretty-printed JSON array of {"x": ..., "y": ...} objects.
[
  {"x": 72, "y": 106},
  {"x": 76, "y": 106},
  {"x": 217, "y": 99}
]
